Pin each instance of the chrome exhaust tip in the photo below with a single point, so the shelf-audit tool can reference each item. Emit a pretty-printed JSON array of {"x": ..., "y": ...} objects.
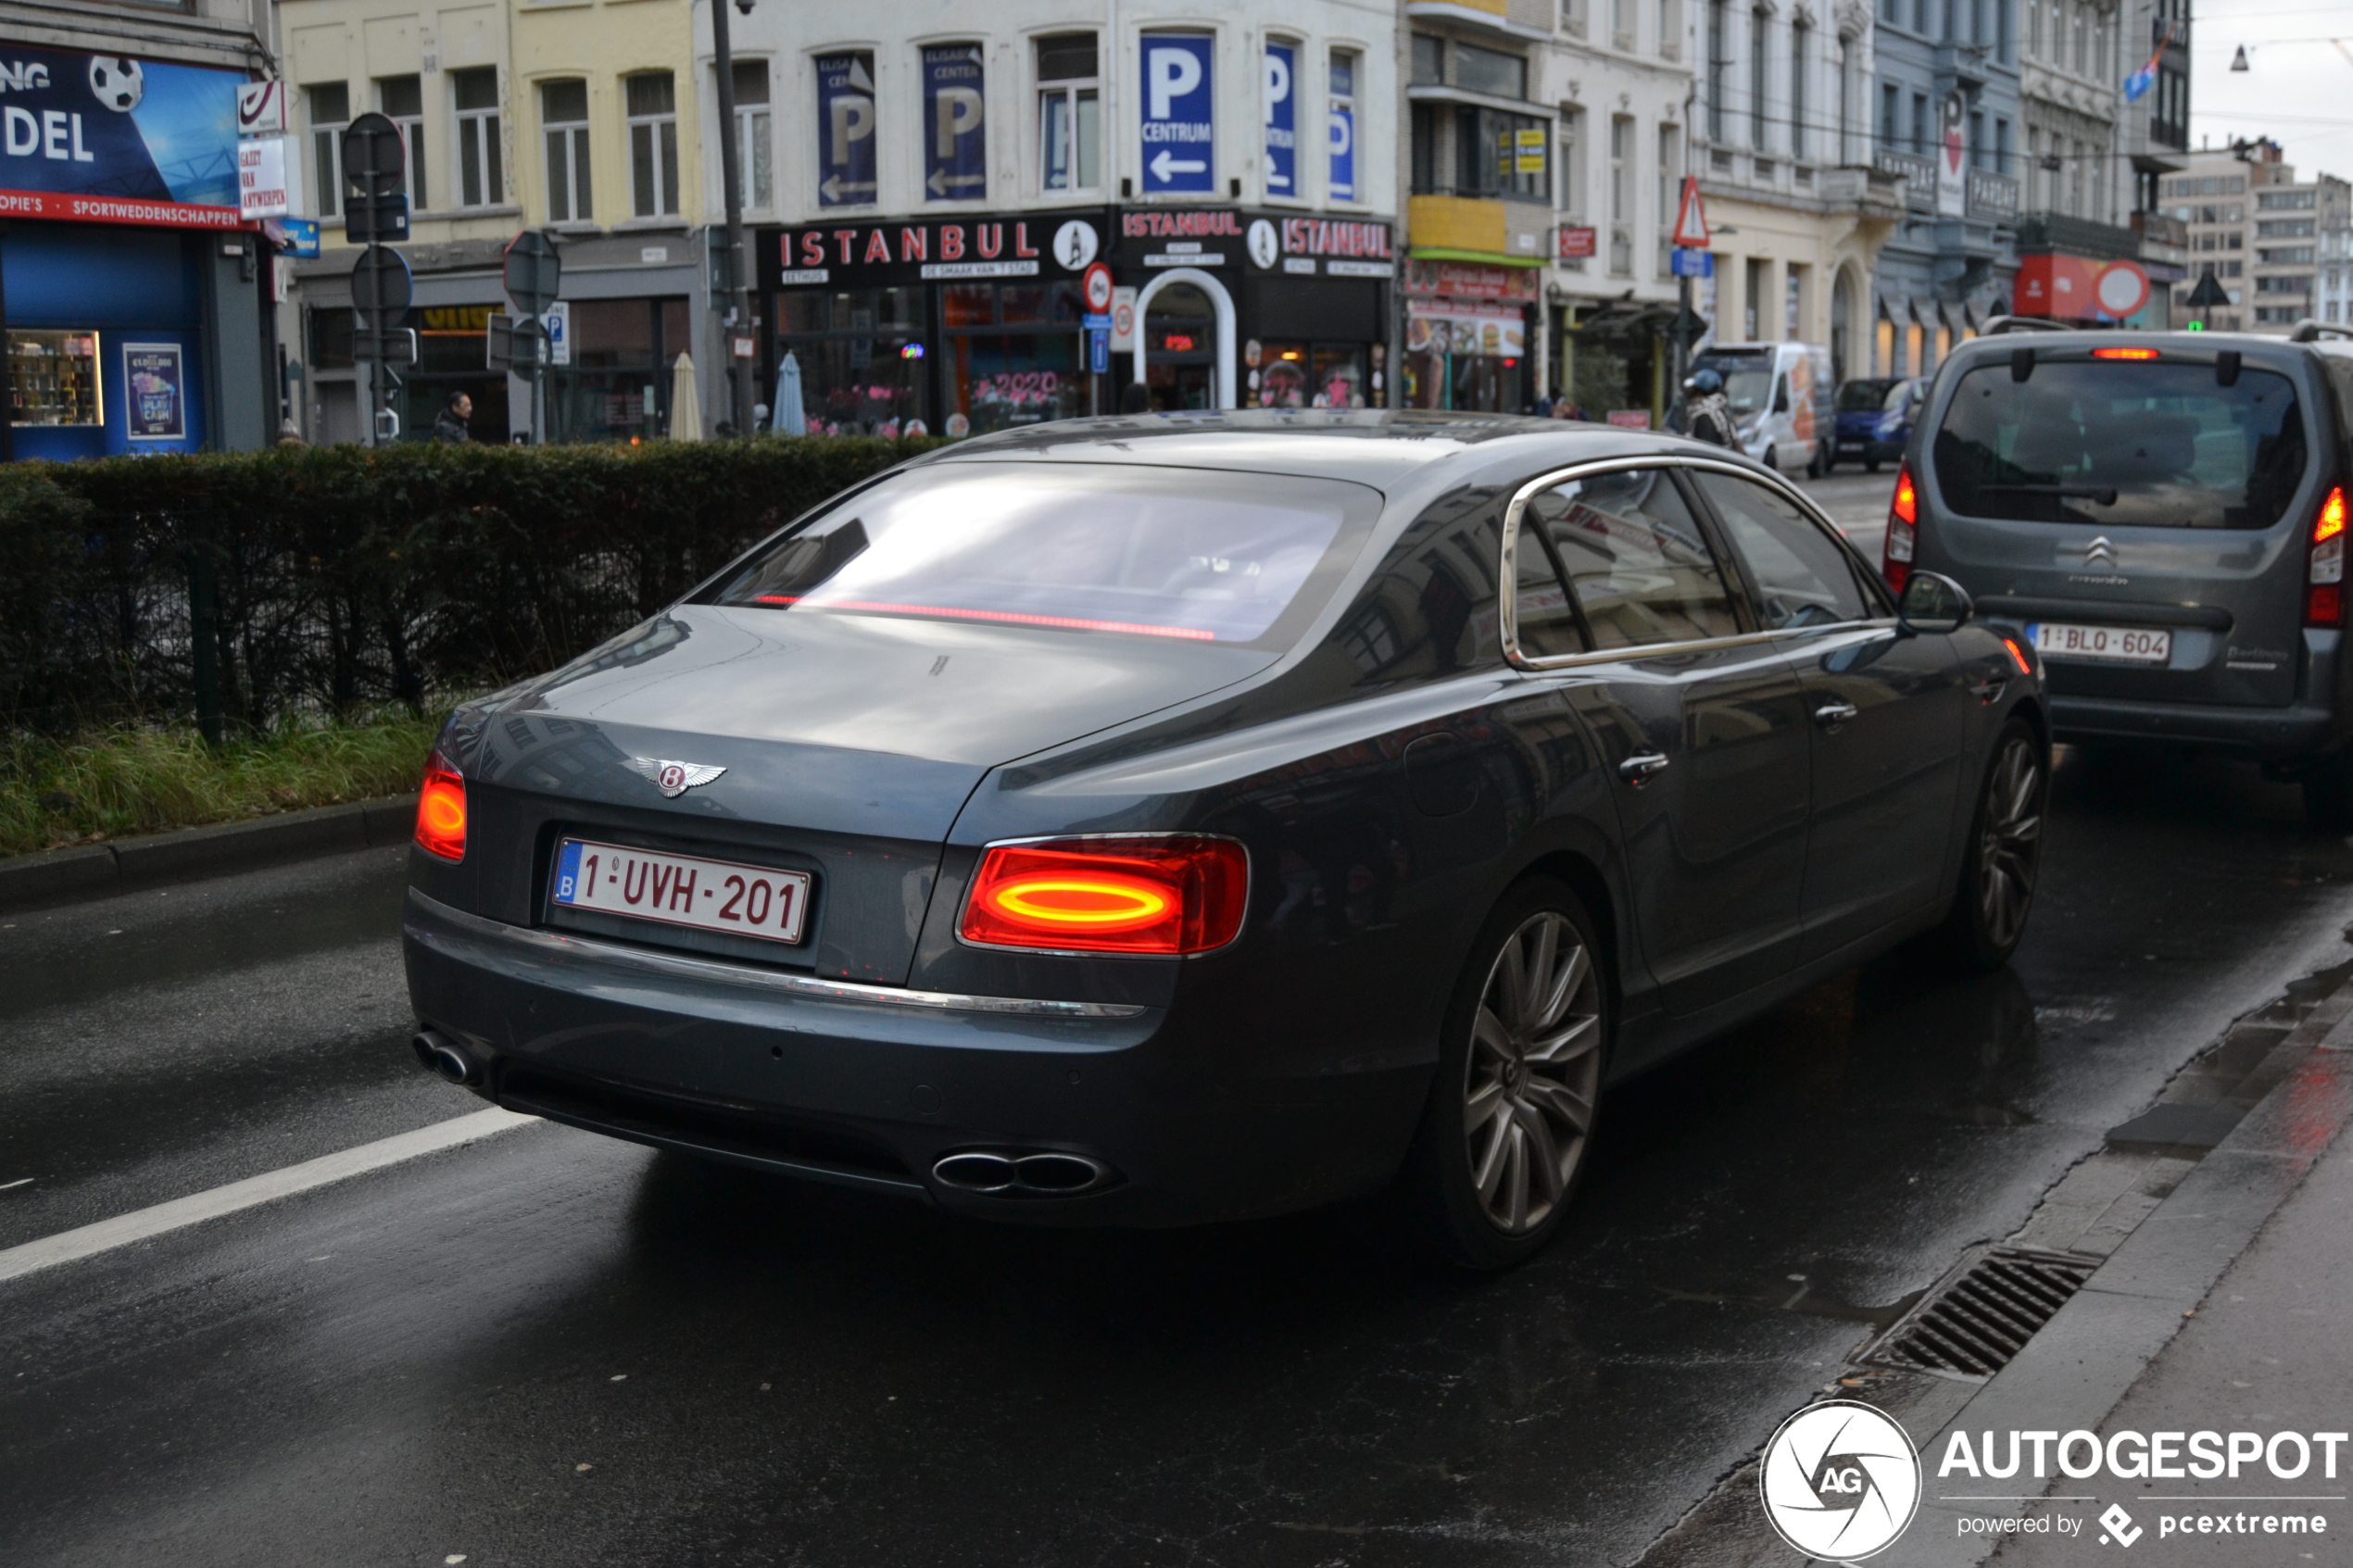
[
  {"x": 446, "y": 1059},
  {"x": 1041, "y": 1173}
]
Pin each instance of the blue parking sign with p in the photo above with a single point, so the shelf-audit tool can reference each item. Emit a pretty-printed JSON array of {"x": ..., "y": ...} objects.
[{"x": 1179, "y": 127}]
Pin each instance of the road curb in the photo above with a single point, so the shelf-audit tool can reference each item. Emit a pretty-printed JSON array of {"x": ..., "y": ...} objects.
[
  {"x": 97, "y": 871},
  {"x": 2077, "y": 1370}
]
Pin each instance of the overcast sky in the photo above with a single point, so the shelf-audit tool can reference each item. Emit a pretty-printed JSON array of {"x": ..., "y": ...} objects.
[{"x": 2297, "y": 89}]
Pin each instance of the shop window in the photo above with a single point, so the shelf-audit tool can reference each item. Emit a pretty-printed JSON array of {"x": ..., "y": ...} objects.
[
  {"x": 754, "y": 146},
  {"x": 481, "y": 181},
  {"x": 653, "y": 143},
  {"x": 53, "y": 378},
  {"x": 563, "y": 112},
  {"x": 402, "y": 100},
  {"x": 1490, "y": 71},
  {"x": 329, "y": 108},
  {"x": 617, "y": 387},
  {"x": 1070, "y": 116},
  {"x": 861, "y": 354},
  {"x": 1304, "y": 375}
]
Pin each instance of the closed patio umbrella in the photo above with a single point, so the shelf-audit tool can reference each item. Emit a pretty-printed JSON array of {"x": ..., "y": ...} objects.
[
  {"x": 686, "y": 403},
  {"x": 789, "y": 417}
]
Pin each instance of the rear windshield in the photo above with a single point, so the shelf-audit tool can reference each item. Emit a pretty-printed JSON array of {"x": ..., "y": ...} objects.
[
  {"x": 2121, "y": 443},
  {"x": 1748, "y": 378},
  {"x": 1152, "y": 552},
  {"x": 1865, "y": 396}
]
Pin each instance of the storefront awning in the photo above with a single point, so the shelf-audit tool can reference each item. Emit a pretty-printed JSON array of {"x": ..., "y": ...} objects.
[{"x": 1627, "y": 322}]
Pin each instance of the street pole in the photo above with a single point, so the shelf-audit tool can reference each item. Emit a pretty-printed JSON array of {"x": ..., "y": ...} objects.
[{"x": 731, "y": 179}]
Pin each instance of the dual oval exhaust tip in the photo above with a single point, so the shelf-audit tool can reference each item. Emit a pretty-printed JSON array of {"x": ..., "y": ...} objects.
[
  {"x": 1043, "y": 1174},
  {"x": 446, "y": 1058}
]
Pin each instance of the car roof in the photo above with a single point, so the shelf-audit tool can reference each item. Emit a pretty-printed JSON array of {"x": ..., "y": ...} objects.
[{"x": 1381, "y": 447}]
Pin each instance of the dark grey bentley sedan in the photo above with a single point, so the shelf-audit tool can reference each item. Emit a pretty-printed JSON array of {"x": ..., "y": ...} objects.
[{"x": 1152, "y": 820}]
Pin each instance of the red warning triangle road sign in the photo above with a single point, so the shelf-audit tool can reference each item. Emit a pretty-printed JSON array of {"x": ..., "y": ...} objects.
[{"x": 1691, "y": 219}]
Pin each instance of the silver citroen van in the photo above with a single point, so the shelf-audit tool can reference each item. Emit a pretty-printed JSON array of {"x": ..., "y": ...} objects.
[{"x": 2163, "y": 516}]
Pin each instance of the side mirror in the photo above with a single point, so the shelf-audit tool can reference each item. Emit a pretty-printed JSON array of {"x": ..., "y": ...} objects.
[{"x": 1933, "y": 602}]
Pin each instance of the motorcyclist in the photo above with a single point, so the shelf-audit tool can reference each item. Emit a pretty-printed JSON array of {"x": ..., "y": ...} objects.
[{"x": 1707, "y": 416}]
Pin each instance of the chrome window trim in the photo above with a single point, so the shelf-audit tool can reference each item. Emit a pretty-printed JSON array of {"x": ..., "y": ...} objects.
[
  {"x": 677, "y": 966},
  {"x": 1507, "y": 595},
  {"x": 963, "y": 907}
]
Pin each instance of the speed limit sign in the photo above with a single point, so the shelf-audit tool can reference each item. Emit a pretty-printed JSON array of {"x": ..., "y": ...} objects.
[{"x": 1098, "y": 288}]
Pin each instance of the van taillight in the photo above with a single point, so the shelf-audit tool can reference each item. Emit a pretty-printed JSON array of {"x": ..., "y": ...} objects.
[
  {"x": 2324, "y": 577},
  {"x": 441, "y": 810},
  {"x": 1181, "y": 894},
  {"x": 1903, "y": 527}
]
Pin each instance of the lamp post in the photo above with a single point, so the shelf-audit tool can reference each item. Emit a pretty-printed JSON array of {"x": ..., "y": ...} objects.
[{"x": 731, "y": 180}]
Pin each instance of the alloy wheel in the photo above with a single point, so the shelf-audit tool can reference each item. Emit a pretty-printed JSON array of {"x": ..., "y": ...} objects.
[
  {"x": 2010, "y": 843},
  {"x": 1533, "y": 1071}
]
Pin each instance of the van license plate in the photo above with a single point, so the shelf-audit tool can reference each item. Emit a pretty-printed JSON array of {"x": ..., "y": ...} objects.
[
  {"x": 682, "y": 890},
  {"x": 2110, "y": 645}
]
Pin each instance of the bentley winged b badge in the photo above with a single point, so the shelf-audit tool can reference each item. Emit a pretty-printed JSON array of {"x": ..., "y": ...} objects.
[{"x": 673, "y": 779}]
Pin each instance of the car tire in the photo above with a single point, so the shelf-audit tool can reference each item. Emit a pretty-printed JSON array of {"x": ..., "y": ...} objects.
[
  {"x": 2328, "y": 794},
  {"x": 1506, "y": 1131},
  {"x": 2003, "y": 854},
  {"x": 1816, "y": 465}
]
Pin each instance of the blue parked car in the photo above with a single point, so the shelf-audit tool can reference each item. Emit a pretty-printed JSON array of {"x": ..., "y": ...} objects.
[{"x": 1875, "y": 415}]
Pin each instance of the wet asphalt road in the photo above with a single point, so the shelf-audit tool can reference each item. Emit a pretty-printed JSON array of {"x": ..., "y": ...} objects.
[{"x": 551, "y": 1349}]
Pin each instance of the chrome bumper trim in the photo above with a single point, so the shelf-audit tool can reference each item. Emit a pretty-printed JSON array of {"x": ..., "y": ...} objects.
[{"x": 677, "y": 966}]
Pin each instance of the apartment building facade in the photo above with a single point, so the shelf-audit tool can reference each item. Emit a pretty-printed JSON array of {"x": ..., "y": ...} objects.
[
  {"x": 1946, "y": 103},
  {"x": 136, "y": 305},
  {"x": 1803, "y": 210},
  {"x": 2259, "y": 232},
  {"x": 938, "y": 186},
  {"x": 576, "y": 117}
]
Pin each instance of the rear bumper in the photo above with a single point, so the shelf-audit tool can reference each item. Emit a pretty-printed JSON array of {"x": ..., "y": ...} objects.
[
  {"x": 869, "y": 1086},
  {"x": 2269, "y": 734}
]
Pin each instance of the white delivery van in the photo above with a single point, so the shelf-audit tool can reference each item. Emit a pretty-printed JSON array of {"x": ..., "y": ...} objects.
[{"x": 1781, "y": 396}]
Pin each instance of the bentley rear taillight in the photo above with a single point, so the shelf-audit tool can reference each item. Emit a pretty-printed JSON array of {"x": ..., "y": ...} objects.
[
  {"x": 2324, "y": 573},
  {"x": 1903, "y": 528},
  {"x": 1159, "y": 895},
  {"x": 441, "y": 810}
]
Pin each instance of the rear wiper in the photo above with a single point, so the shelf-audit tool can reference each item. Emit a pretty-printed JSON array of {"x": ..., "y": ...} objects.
[{"x": 2103, "y": 494}]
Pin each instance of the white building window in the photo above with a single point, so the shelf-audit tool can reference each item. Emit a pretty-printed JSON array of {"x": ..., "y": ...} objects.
[
  {"x": 1621, "y": 23},
  {"x": 1070, "y": 114},
  {"x": 754, "y": 143},
  {"x": 653, "y": 143},
  {"x": 402, "y": 99},
  {"x": 563, "y": 114},
  {"x": 1621, "y": 196},
  {"x": 329, "y": 107},
  {"x": 481, "y": 181}
]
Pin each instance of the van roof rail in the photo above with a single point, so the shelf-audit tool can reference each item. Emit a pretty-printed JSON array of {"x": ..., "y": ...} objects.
[
  {"x": 1994, "y": 324},
  {"x": 2309, "y": 331}
]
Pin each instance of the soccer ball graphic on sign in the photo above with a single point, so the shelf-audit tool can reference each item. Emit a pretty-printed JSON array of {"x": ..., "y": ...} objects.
[
  {"x": 1841, "y": 1481},
  {"x": 117, "y": 83}
]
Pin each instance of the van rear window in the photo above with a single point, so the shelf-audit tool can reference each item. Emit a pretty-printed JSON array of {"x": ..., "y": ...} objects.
[
  {"x": 2132, "y": 443},
  {"x": 1190, "y": 555}
]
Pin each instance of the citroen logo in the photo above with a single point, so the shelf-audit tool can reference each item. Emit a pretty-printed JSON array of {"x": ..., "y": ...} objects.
[{"x": 2099, "y": 552}]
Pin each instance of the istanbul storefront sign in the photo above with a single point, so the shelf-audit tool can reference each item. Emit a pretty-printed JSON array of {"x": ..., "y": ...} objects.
[{"x": 984, "y": 247}]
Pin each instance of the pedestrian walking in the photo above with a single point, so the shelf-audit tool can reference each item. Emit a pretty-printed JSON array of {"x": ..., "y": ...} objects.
[{"x": 450, "y": 428}]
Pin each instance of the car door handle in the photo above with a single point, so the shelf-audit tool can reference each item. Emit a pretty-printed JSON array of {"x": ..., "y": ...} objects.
[
  {"x": 1830, "y": 715},
  {"x": 1988, "y": 689},
  {"x": 1637, "y": 770}
]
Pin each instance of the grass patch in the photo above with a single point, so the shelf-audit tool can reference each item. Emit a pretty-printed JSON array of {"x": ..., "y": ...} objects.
[{"x": 133, "y": 778}]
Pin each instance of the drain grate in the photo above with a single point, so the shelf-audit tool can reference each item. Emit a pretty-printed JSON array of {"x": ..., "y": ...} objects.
[{"x": 1983, "y": 1312}]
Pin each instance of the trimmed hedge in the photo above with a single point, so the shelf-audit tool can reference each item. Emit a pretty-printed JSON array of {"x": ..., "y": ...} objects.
[{"x": 346, "y": 578}]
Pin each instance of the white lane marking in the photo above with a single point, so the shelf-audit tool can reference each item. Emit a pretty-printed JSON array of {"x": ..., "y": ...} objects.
[
  {"x": 142, "y": 1224},
  {"x": 19, "y": 1182}
]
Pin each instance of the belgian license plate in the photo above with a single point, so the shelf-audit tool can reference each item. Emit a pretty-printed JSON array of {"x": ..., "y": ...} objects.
[
  {"x": 614, "y": 879},
  {"x": 2114, "y": 645}
]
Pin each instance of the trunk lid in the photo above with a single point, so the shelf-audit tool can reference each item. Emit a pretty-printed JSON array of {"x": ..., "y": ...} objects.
[{"x": 849, "y": 744}]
